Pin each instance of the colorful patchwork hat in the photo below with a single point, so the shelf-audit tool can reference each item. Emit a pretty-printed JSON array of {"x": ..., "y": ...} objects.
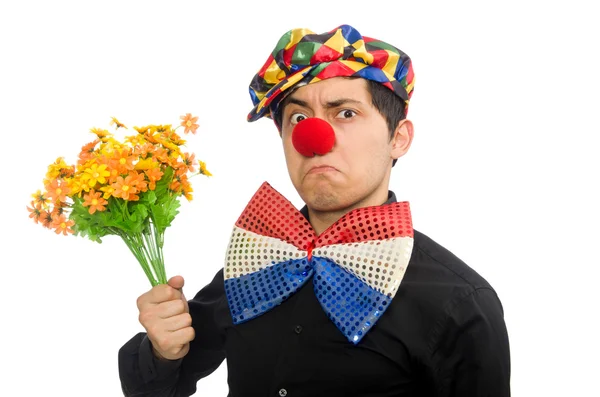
[{"x": 302, "y": 55}]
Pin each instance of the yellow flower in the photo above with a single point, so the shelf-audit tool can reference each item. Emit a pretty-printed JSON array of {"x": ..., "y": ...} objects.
[
  {"x": 203, "y": 169},
  {"x": 57, "y": 169},
  {"x": 100, "y": 133},
  {"x": 96, "y": 173},
  {"x": 117, "y": 123},
  {"x": 146, "y": 164},
  {"x": 107, "y": 190},
  {"x": 40, "y": 199}
]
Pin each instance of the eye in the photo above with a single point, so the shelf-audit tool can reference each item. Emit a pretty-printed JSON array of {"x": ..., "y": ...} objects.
[
  {"x": 346, "y": 114},
  {"x": 296, "y": 118}
]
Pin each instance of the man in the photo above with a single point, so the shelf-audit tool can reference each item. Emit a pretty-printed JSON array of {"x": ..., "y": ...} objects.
[{"x": 343, "y": 298}]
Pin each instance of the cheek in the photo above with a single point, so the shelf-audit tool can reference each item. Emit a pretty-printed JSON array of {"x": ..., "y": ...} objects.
[
  {"x": 363, "y": 155},
  {"x": 358, "y": 150},
  {"x": 292, "y": 158}
]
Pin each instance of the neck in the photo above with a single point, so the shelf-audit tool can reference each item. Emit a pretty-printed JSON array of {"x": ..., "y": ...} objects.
[{"x": 321, "y": 220}]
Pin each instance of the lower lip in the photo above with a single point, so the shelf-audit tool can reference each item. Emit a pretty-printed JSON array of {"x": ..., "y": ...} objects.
[{"x": 319, "y": 170}]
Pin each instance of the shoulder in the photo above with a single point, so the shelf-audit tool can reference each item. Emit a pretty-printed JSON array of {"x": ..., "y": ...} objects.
[
  {"x": 437, "y": 288},
  {"x": 437, "y": 282},
  {"x": 433, "y": 263}
]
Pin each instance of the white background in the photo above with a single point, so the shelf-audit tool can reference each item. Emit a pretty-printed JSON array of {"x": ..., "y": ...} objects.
[{"x": 503, "y": 170}]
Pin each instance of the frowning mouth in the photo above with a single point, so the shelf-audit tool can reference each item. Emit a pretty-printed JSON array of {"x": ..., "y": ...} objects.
[{"x": 318, "y": 169}]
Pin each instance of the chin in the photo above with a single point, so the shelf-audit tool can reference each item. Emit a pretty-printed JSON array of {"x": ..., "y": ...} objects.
[{"x": 323, "y": 197}]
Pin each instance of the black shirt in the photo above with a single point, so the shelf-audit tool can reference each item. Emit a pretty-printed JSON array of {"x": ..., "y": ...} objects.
[{"x": 442, "y": 335}]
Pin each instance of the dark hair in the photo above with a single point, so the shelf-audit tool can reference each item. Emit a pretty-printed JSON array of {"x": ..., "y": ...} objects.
[{"x": 388, "y": 104}]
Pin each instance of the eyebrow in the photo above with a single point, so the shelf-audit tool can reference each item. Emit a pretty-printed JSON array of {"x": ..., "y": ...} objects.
[{"x": 328, "y": 105}]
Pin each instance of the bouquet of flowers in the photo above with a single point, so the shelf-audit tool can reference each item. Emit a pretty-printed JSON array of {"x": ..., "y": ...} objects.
[{"x": 128, "y": 188}]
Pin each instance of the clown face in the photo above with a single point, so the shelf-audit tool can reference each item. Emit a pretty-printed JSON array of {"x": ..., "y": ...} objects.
[{"x": 356, "y": 172}]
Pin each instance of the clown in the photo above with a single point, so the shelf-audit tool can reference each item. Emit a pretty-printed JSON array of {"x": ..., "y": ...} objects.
[{"x": 342, "y": 297}]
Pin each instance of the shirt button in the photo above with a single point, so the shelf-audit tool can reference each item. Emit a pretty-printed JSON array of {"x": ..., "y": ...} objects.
[
  {"x": 298, "y": 329},
  {"x": 282, "y": 392}
]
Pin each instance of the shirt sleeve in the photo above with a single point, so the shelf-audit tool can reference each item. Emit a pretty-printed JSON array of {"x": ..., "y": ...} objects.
[
  {"x": 142, "y": 374},
  {"x": 470, "y": 349}
]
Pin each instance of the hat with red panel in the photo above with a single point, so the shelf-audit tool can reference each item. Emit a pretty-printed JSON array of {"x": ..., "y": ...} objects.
[{"x": 303, "y": 56}]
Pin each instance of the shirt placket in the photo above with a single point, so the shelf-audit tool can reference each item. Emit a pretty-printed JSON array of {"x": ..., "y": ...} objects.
[{"x": 288, "y": 367}]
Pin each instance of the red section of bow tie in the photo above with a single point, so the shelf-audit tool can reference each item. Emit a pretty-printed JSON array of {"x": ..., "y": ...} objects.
[{"x": 270, "y": 214}]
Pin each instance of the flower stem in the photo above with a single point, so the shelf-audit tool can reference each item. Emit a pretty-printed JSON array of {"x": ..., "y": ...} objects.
[
  {"x": 135, "y": 249},
  {"x": 153, "y": 249}
]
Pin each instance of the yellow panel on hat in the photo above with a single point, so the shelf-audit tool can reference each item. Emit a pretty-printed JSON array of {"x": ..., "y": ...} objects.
[
  {"x": 337, "y": 42},
  {"x": 391, "y": 63},
  {"x": 410, "y": 86},
  {"x": 272, "y": 74},
  {"x": 358, "y": 44},
  {"x": 354, "y": 65},
  {"x": 297, "y": 35},
  {"x": 361, "y": 51},
  {"x": 292, "y": 80}
]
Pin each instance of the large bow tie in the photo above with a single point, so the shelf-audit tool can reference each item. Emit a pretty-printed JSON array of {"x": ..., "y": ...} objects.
[{"x": 356, "y": 264}]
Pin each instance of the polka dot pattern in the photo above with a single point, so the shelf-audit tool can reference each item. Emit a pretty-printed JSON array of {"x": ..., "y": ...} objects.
[
  {"x": 370, "y": 223},
  {"x": 350, "y": 303},
  {"x": 253, "y": 294},
  {"x": 270, "y": 214},
  {"x": 379, "y": 264},
  {"x": 249, "y": 252},
  {"x": 356, "y": 265}
]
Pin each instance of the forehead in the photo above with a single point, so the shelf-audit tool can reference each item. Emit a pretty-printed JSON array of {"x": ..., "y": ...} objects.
[{"x": 331, "y": 89}]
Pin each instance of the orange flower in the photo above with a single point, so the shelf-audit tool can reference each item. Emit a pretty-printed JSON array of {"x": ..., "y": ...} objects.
[
  {"x": 59, "y": 209},
  {"x": 125, "y": 188},
  {"x": 145, "y": 150},
  {"x": 62, "y": 225},
  {"x": 58, "y": 190},
  {"x": 188, "y": 160},
  {"x": 189, "y": 123},
  {"x": 161, "y": 155},
  {"x": 94, "y": 201},
  {"x": 46, "y": 219},
  {"x": 140, "y": 181},
  {"x": 153, "y": 174},
  {"x": 180, "y": 184},
  {"x": 122, "y": 161},
  {"x": 35, "y": 211},
  {"x": 87, "y": 152}
]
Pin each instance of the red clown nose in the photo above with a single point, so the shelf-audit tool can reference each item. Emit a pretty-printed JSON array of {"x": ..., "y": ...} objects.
[{"x": 313, "y": 136}]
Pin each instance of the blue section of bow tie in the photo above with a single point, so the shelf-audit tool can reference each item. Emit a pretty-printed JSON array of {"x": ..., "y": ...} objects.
[
  {"x": 253, "y": 294},
  {"x": 349, "y": 302}
]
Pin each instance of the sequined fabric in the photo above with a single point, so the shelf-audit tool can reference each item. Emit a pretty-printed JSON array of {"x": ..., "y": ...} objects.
[{"x": 356, "y": 265}]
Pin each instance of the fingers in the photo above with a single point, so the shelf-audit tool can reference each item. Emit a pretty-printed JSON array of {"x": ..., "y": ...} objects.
[
  {"x": 170, "y": 308},
  {"x": 178, "y": 322},
  {"x": 164, "y": 313},
  {"x": 173, "y": 345},
  {"x": 176, "y": 282},
  {"x": 158, "y": 294}
]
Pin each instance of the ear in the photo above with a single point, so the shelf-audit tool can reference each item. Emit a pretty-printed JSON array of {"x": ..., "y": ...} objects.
[{"x": 402, "y": 139}]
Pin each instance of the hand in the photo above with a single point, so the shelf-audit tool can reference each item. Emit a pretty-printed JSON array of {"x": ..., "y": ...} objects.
[{"x": 165, "y": 315}]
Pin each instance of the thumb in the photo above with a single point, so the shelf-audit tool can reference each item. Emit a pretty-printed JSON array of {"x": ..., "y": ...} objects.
[{"x": 176, "y": 282}]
